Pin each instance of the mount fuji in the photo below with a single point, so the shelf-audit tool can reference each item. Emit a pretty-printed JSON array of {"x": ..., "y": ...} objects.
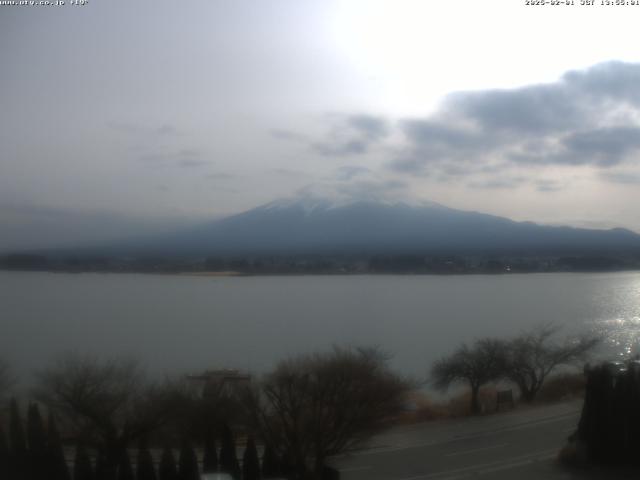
[{"x": 314, "y": 225}]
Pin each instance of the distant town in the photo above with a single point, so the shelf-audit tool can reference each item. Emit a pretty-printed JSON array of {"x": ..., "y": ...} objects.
[{"x": 323, "y": 264}]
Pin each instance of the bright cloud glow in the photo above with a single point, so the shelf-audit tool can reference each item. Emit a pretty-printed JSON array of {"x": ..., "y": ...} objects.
[{"x": 418, "y": 51}]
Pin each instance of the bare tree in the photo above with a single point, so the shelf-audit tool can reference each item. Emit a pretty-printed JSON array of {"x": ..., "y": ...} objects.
[
  {"x": 6, "y": 379},
  {"x": 532, "y": 356},
  {"x": 476, "y": 365},
  {"x": 108, "y": 401},
  {"x": 315, "y": 406}
]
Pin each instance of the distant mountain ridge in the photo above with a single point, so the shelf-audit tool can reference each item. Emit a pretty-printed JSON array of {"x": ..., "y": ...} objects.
[{"x": 311, "y": 225}]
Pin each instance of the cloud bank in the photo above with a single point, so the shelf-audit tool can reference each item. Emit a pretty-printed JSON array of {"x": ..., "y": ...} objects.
[{"x": 589, "y": 117}]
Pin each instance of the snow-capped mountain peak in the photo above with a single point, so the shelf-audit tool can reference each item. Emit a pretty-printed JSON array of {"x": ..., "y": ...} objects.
[{"x": 313, "y": 204}]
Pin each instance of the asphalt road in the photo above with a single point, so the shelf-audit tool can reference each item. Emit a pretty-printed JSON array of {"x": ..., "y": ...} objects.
[{"x": 522, "y": 444}]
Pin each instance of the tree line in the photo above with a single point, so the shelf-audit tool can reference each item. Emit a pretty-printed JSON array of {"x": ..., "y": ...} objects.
[
  {"x": 319, "y": 263},
  {"x": 307, "y": 409},
  {"x": 37, "y": 452},
  {"x": 525, "y": 360}
]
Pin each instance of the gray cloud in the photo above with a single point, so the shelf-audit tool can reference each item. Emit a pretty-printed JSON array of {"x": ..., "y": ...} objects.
[
  {"x": 131, "y": 128},
  {"x": 221, "y": 176},
  {"x": 548, "y": 185},
  {"x": 432, "y": 141},
  {"x": 541, "y": 185},
  {"x": 335, "y": 148},
  {"x": 184, "y": 158},
  {"x": 349, "y": 172},
  {"x": 372, "y": 189},
  {"x": 286, "y": 172},
  {"x": 411, "y": 164},
  {"x": 497, "y": 183},
  {"x": 282, "y": 134},
  {"x": 602, "y": 147},
  {"x": 588, "y": 117},
  {"x": 124, "y": 127},
  {"x": 167, "y": 130},
  {"x": 192, "y": 163},
  {"x": 429, "y": 133},
  {"x": 611, "y": 80},
  {"x": 368, "y": 125},
  {"x": 347, "y": 135},
  {"x": 152, "y": 158},
  {"x": 531, "y": 110},
  {"x": 189, "y": 152},
  {"x": 625, "y": 178}
]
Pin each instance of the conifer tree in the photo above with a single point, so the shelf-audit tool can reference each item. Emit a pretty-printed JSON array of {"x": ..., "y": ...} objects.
[
  {"x": 144, "y": 468},
  {"x": 82, "y": 468},
  {"x": 286, "y": 465},
  {"x": 4, "y": 456},
  {"x": 250, "y": 462},
  {"x": 37, "y": 443},
  {"x": 270, "y": 463},
  {"x": 125, "y": 472},
  {"x": 16, "y": 433},
  {"x": 101, "y": 469},
  {"x": 17, "y": 443},
  {"x": 210, "y": 459},
  {"x": 167, "y": 470},
  {"x": 188, "y": 464},
  {"x": 56, "y": 462},
  {"x": 228, "y": 458}
]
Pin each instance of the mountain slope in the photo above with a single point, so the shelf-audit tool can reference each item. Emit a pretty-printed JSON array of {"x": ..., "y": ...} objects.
[{"x": 317, "y": 226}]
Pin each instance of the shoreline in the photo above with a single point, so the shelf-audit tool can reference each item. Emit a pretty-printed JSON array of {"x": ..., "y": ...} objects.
[
  {"x": 222, "y": 273},
  {"x": 233, "y": 273}
]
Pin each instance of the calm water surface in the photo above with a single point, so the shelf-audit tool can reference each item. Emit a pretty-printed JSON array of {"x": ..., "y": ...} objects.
[{"x": 184, "y": 323}]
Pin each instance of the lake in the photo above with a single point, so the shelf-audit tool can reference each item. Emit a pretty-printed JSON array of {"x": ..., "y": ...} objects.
[{"x": 177, "y": 324}]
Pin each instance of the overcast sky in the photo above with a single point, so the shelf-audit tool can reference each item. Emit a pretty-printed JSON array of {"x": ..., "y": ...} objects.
[{"x": 119, "y": 116}]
